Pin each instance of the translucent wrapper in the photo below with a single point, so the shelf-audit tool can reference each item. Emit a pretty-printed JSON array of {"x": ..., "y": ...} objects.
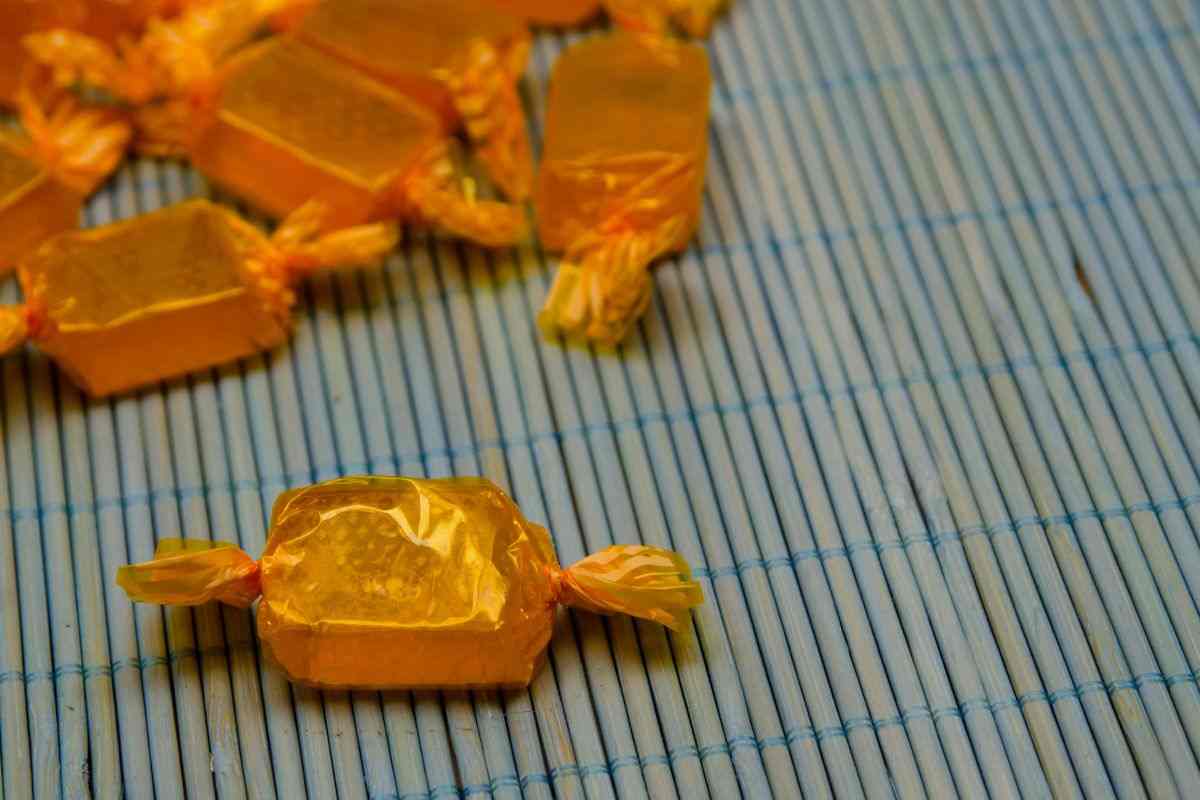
[
  {"x": 178, "y": 290},
  {"x": 461, "y": 58},
  {"x": 657, "y": 16},
  {"x": 621, "y": 176},
  {"x": 280, "y": 123},
  {"x": 164, "y": 73},
  {"x": 550, "y": 12},
  {"x": 63, "y": 152},
  {"x": 404, "y": 583},
  {"x": 104, "y": 19},
  {"x": 642, "y": 16}
]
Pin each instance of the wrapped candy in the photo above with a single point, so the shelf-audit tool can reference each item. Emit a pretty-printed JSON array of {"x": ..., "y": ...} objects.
[
  {"x": 177, "y": 290},
  {"x": 655, "y": 16},
  {"x": 162, "y": 73},
  {"x": 281, "y": 123},
  {"x": 105, "y": 19},
  {"x": 62, "y": 154},
  {"x": 551, "y": 12},
  {"x": 645, "y": 16},
  {"x": 406, "y": 583},
  {"x": 461, "y": 58},
  {"x": 18, "y": 18},
  {"x": 621, "y": 177}
]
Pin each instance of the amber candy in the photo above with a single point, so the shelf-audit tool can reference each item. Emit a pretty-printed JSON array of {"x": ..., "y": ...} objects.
[
  {"x": 408, "y": 583},
  {"x": 657, "y": 16},
  {"x": 171, "y": 292},
  {"x": 461, "y": 58},
  {"x": 290, "y": 122},
  {"x": 105, "y": 19},
  {"x": 280, "y": 123},
  {"x": 550, "y": 12},
  {"x": 642, "y": 16},
  {"x": 61, "y": 154},
  {"x": 173, "y": 59},
  {"x": 621, "y": 175}
]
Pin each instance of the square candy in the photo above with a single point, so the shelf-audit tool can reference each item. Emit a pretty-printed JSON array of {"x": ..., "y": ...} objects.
[
  {"x": 292, "y": 124},
  {"x": 34, "y": 205},
  {"x": 150, "y": 298}
]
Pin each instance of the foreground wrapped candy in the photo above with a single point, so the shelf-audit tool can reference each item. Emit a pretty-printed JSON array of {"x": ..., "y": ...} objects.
[
  {"x": 461, "y": 58},
  {"x": 178, "y": 290},
  {"x": 404, "y": 583},
  {"x": 62, "y": 153},
  {"x": 621, "y": 176}
]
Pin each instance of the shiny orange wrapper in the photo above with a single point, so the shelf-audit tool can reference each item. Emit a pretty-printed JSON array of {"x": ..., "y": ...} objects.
[
  {"x": 658, "y": 16},
  {"x": 171, "y": 292},
  {"x": 621, "y": 176},
  {"x": 461, "y": 58},
  {"x": 406, "y": 583},
  {"x": 280, "y": 123},
  {"x": 289, "y": 122},
  {"x": 643, "y": 16},
  {"x": 105, "y": 19},
  {"x": 47, "y": 169},
  {"x": 550, "y": 12}
]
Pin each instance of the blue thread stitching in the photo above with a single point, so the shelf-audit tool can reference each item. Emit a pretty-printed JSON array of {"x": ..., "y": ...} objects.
[
  {"x": 738, "y": 742},
  {"x": 1156, "y": 36},
  {"x": 946, "y": 537},
  {"x": 640, "y": 422}
]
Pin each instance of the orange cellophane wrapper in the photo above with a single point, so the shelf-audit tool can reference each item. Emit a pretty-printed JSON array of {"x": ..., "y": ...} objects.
[
  {"x": 461, "y": 58},
  {"x": 290, "y": 123},
  {"x": 163, "y": 71},
  {"x": 280, "y": 123},
  {"x": 17, "y": 19},
  {"x": 403, "y": 583},
  {"x": 550, "y": 12},
  {"x": 178, "y": 290},
  {"x": 657, "y": 16},
  {"x": 110, "y": 19},
  {"x": 621, "y": 176},
  {"x": 104, "y": 19},
  {"x": 63, "y": 152}
]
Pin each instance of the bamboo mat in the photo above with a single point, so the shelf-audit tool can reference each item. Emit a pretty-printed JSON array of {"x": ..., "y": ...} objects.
[{"x": 921, "y": 404}]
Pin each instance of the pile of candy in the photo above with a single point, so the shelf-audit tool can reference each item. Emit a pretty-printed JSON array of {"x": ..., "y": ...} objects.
[
  {"x": 359, "y": 112},
  {"x": 342, "y": 119}
]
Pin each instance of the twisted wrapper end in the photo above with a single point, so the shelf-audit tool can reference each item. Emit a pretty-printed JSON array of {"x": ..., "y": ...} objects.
[
  {"x": 644, "y": 582},
  {"x": 15, "y": 328},
  {"x": 484, "y": 89},
  {"x": 655, "y": 16},
  {"x": 79, "y": 146},
  {"x": 696, "y": 16},
  {"x": 604, "y": 284},
  {"x": 435, "y": 192},
  {"x": 642, "y": 202},
  {"x": 168, "y": 74},
  {"x": 191, "y": 573},
  {"x": 125, "y": 70},
  {"x": 290, "y": 14},
  {"x": 640, "y": 16},
  {"x": 298, "y": 248}
]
